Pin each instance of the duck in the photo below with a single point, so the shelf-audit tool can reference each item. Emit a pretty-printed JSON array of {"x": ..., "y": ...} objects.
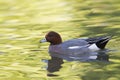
[{"x": 82, "y": 49}]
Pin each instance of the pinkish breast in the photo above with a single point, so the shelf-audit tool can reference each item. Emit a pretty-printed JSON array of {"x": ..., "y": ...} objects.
[{"x": 54, "y": 49}]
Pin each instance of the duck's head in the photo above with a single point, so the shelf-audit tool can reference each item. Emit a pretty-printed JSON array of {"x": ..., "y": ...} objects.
[{"x": 53, "y": 37}]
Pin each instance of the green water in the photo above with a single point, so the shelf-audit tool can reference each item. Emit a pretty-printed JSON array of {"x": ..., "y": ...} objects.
[{"x": 24, "y": 22}]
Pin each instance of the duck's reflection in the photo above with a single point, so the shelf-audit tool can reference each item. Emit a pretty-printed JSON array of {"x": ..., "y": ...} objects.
[
  {"x": 54, "y": 64},
  {"x": 102, "y": 56}
]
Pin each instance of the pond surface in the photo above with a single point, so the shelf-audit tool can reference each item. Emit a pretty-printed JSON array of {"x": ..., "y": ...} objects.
[{"x": 24, "y": 22}]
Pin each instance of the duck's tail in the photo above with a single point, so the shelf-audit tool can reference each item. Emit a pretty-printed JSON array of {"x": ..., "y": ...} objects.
[{"x": 102, "y": 42}]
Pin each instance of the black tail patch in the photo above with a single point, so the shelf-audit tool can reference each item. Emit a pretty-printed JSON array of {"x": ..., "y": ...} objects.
[{"x": 102, "y": 43}]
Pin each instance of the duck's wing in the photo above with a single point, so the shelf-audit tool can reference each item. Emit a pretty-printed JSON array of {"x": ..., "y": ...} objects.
[
  {"x": 94, "y": 43},
  {"x": 99, "y": 41},
  {"x": 90, "y": 40},
  {"x": 75, "y": 46},
  {"x": 93, "y": 40}
]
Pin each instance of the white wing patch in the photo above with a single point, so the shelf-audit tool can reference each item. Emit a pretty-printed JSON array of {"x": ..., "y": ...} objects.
[
  {"x": 93, "y": 47},
  {"x": 76, "y": 47}
]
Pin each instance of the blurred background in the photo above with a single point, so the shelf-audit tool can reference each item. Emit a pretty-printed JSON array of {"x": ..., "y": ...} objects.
[{"x": 24, "y": 22}]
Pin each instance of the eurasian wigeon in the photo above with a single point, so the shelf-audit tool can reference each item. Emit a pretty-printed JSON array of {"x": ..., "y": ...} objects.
[{"x": 76, "y": 49}]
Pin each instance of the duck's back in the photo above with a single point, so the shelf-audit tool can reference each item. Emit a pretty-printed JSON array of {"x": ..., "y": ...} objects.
[{"x": 75, "y": 42}]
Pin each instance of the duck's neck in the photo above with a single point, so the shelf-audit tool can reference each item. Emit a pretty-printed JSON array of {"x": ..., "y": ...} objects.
[{"x": 54, "y": 44}]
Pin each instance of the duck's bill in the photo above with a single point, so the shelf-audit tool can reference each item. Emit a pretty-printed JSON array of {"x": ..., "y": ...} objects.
[{"x": 43, "y": 40}]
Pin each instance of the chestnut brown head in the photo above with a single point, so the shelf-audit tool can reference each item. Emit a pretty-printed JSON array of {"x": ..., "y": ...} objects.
[{"x": 53, "y": 37}]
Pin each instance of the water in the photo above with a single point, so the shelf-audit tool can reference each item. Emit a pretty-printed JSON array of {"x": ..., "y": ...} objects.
[{"x": 23, "y": 23}]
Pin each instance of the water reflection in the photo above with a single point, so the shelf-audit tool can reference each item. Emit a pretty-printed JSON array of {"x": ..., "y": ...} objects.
[
  {"x": 54, "y": 64},
  {"x": 102, "y": 56}
]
